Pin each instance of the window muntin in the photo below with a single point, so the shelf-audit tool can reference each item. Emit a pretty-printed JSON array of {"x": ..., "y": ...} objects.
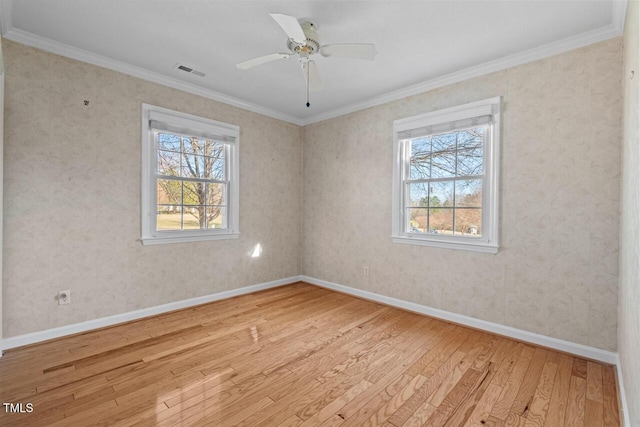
[
  {"x": 444, "y": 183},
  {"x": 191, "y": 182},
  {"x": 190, "y": 178},
  {"x": 445, "y": 191}
]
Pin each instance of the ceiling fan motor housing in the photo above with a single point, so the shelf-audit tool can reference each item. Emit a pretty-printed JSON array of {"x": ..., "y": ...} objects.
[{"x": 312, "y": 43}]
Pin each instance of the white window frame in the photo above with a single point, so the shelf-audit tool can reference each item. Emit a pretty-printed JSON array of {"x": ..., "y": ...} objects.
[
  {"x": 489, "y": 241},
  {"x": 188, "y": 124}
]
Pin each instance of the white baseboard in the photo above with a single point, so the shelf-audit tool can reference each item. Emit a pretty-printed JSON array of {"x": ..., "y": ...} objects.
[
  {"x": 622, "y": 393},
  {"x": 518, "y": 334},
  {"x": 34, "y": 337}
]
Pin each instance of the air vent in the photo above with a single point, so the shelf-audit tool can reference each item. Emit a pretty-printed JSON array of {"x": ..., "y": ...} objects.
[{"x": 189, "y": 70}]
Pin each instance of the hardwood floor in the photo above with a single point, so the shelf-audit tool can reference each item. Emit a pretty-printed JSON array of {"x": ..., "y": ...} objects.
[{"x": 300, "y": 355}]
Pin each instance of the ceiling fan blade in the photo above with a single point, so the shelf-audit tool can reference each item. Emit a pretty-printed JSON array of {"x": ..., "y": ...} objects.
[
  {"x": 262, "y": 60},
  {"x": 315, "y": 84},
  {"x": 350, "y": 50},
  {"x": 291, "y": 26}
]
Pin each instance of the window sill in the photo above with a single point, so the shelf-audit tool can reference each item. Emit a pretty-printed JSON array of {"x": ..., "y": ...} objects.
[
  {"x": 463, "y": 246},
  {"x": 186, "y": 239}
]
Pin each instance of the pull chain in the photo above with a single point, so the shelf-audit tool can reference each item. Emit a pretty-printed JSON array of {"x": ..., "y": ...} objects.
[{"x": 308, "y": 66}]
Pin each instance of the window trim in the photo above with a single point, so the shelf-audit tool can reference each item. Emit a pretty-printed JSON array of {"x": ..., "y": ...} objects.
[
  {"x": 202, "y": 126},
  {"x": 489, "y": 243}
]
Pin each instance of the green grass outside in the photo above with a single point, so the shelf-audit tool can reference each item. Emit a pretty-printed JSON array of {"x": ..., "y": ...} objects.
[{"x": 172, "y": 222}]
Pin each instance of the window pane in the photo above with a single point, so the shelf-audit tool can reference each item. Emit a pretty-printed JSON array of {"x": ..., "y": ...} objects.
[
  {"x": 469, "y": 222},
  {"x": 204, "y": 147},
  {"x": 167, "y": 141},
  {"x": 216, "y": 217},
  {"x": 195, "y": 145},
  {"x": 193, "y": 217},
  {"x": 168, "y": 217},
  {"x": 193, "y": 193},
  {"x": 418, "y": 194},
  {"x": 215, "y": 194},
  {"x": 202, "y": 167},
  {"x": 443, "y": 163},
  {"x": 168, "y": 163},
  {"x": 193, "y": 166},
  {"x": 469, "y": 193},
  {"x": 417, "y": 222},
  {"x": 215, "y": 149},
  {"x": 441, "y": 194},
  {"x": 214, "y": 168},
  {"x": 420, "y": 164},
  {"x": 470, "y": 138},
  {"x": 441, "y": 221},
  {"x": 169, "y": 191},
  {"x": 445, "y": 142},
  {"x": 470, "y": 162},
  {"x": 443, "y": 156}
]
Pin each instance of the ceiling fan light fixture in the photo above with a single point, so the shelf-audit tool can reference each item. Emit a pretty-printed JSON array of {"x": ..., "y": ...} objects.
[
  {"x": 303, "y": 40},
  {"x": 290, "y": 26}
]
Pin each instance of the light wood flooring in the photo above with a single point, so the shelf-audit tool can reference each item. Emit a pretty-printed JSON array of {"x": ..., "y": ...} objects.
[{"x": 300, "y": 355}]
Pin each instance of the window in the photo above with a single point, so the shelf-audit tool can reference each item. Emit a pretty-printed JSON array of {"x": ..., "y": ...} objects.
[
  {"x": 190, "y": 178},
  {"x": 445, "y": 191}
]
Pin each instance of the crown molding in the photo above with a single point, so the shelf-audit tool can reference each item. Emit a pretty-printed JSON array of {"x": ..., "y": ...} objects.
[
  {"x": 551, "y": 49},
  {"x": 52, "y": 46},
  {"x": 619, "y": 14},
  {"x": 6, "y": 13},
  {"x": 615, "y": 29}
]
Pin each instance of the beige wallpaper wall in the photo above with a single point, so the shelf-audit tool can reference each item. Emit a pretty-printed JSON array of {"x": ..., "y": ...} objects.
[
  {"x": 72, "y": 197},
  {"x": 1, "y": 167},
  {"x": 629, "y": 308},
  {"x": 72, "y": 200},
  {"x": 557, "y": 271}
]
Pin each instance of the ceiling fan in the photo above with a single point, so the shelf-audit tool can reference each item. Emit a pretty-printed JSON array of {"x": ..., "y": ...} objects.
[{"x": 303, "y": 40}]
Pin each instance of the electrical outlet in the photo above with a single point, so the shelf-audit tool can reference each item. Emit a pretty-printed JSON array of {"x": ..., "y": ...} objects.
[
  {"x": 366, "y": 271},
  {"x": 64, "y": 297}
]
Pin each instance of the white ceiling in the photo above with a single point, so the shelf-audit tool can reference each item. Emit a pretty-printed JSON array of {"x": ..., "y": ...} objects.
[{"x": 420, "y": 44}]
